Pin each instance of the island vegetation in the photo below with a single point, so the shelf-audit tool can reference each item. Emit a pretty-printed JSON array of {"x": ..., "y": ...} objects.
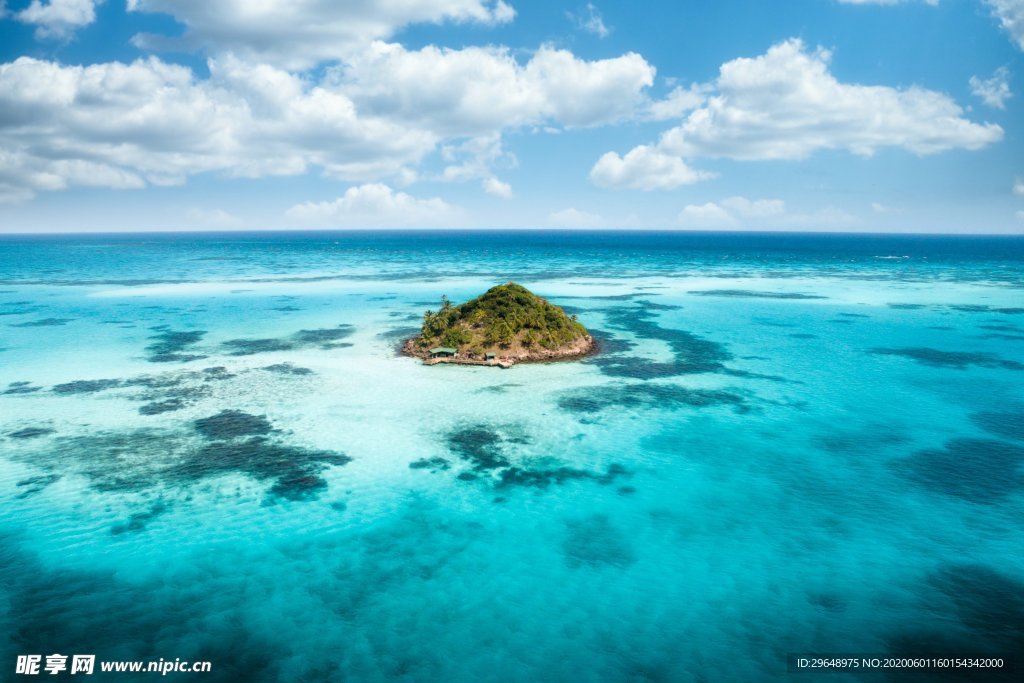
[{"x": 505, "y": 325}]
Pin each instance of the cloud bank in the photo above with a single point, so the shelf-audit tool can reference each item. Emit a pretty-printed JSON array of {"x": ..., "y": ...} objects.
[{"x": 786, "y": 105}]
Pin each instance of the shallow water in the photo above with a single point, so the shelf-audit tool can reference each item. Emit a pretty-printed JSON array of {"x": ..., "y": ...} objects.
[{"x": 211, "y": 450}]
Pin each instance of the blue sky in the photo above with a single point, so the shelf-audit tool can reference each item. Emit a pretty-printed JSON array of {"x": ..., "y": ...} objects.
[{"x": 834, "y": 115}]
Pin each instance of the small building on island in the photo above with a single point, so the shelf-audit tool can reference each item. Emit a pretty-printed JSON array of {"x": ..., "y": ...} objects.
[
  {"x": 489, "y": 356},
  {"x": 443, "y": 352}
]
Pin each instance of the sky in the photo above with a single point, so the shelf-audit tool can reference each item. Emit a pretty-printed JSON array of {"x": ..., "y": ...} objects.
[{"x": 809, "y": 115}]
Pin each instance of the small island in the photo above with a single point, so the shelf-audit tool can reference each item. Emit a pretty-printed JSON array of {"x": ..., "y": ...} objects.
[{"x": 507, "y": 324}]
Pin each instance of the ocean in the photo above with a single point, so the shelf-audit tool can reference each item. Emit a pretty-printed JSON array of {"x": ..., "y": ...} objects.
[{"x": 211, "y": 449}]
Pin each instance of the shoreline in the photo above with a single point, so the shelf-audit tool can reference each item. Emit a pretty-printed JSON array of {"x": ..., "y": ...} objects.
[{"x": 577, "y": 350}]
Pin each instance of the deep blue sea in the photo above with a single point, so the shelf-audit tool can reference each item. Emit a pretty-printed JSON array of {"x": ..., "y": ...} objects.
[{"x": 210, "y": 449}]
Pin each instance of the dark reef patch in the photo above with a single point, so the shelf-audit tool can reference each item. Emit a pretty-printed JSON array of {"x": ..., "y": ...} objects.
[
  {"x": 138, "y": 521},
  {"x": 397, "y": 335},
  {"x": 753, "y": 294},
  {"x": 542, "y": 479},
  {"x": 31, "y": 432},
  {"x": 691, "y": 353},
  {"x": 979, "y": 610},
  {"x": 749, "y": 374},
  {"x": 36, "y": 484},
  {"x": 497, "y": 388},
  {"x": 981, "y": 308},
  {"x": 645, "y": 395},
  {"x": 772, "y": 322},
  {"x": 978, "y": 470},
  {"x": 435, "y": 464},
  {"x": 609, "y": 343},
  {"x": 145, "y": 459},
  {"x": 867, "y": 440},
  {"x": 989, "y": 603},
  {"x": 614, "y": 297},
  {"x": 325, "y": 339},
  {"x": 483, "y": 448},
  {"x": 1002, "y": 327},
  {"x": 216, "y": 373},
  {"x": 855, "y": 315},
  {"x": 20, "y": 388},
  {"x": 113, "y": 461},
  {"x": 287, "y": 369},
  {"x": 830, "y": 602},
  {"x": 294, "y": 471},
  {"x": 479, "y": 445},
  {"x": 250, "y": 347},
  {"x": 65, "y": 610},
  {"x": 45, "y": 322},
  {"x": 158, "y": 407},
  {"x": 229, "y": 424},
  {"x": 655, "y": 306},
  {"x": 906, "y": 307},
  {"x": 159, "y": 393},
  {"x": 1003, "y": 336},
  {"x": 959, "y": 360},
  {"x": 595, "y": 542},
  {"x": 167, "y": 345},
  {"x": 86, "y": 386},
  {"x": 1009, "y": 425}
]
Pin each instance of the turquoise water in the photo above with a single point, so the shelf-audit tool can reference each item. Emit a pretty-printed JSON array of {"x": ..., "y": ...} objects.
[{"x": 212, "y": 451}]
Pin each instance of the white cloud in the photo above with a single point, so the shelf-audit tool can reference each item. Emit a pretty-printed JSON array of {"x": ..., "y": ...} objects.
[
  {"x": 677, "y": 103},
  {"x": 1011, "y": 17},
  {"x": 705, "y": 216},
  {"x": 786, "y": 104},
  {"x": 497, "y": 187},
  {"x": 757, "y": 208},
  {"x": 475, "y": 90},
  {"x": 212, "y": 218},
  {"x": 573, "y": 218},
  {"x": 590, "y": 21},
  {"x": 376, "y": 118},
  {"x": 474, "y": 158},
  {"x": 993, "y": 91},
  {"x": 644, "y": 168},
  {"x": 126, "y": 125},
  {"x": 57, "y": 18},
  {"x": 298, "y": 34},
  {"x": 376, "y": 114},
  {"x": 374, "y": 205},
  {"x": 730, "y": 212},
  {"x": 1018, "y": 187}
]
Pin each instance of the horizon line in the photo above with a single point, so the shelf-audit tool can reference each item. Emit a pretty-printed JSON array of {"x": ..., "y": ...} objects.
[{"x": 680, "y": 231}]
